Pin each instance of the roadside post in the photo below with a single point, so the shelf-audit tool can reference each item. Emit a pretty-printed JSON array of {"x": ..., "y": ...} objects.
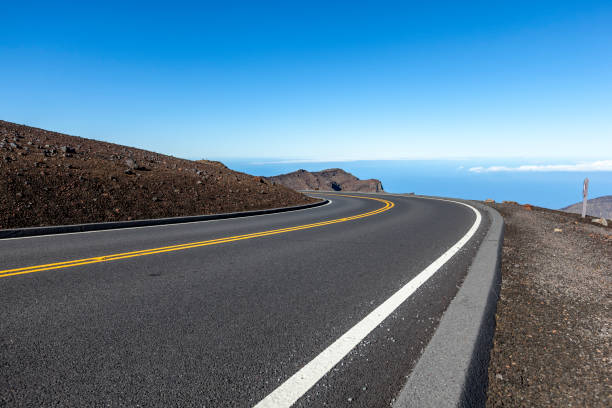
[{"x": 585, "y": 193}]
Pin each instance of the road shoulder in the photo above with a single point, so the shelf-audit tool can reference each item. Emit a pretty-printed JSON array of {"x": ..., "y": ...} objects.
[
  {"x": 453, "y": 368},
  {"x": 99, "y": 226},
  {"x": 552, "y": 343}
]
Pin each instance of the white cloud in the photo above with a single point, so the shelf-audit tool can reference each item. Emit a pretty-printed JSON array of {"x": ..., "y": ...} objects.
[{"x": 602, "y": 165}]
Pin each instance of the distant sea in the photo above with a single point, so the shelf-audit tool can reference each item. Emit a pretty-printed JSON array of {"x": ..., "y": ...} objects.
[{"x": 453, "y": 178}]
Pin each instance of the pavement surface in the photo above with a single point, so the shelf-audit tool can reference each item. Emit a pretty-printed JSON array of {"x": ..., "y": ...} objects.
[{"x": 224, "y": 323}]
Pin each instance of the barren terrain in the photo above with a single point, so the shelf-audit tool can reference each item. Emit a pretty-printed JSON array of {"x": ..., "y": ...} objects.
[
  {"x": 50, "y": 178},
  {"x": 327, "y": 180},
  {"x": 597, "y": 207},
  {"x": 552, "y": 344}
]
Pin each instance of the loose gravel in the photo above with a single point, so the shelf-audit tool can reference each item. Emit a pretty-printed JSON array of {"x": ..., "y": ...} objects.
[{"x": 552, "y": 345}]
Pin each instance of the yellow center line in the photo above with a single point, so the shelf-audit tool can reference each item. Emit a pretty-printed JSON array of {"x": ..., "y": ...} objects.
[{"x": 113, "y": 257}]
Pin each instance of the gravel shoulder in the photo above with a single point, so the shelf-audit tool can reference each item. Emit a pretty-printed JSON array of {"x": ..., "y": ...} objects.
[{"x": 552, "y": 345}]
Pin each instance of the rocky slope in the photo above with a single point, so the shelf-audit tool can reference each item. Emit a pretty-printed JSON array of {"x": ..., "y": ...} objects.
[
  {"x": 327, "y": 180},
  {"x": 49, "y": 178},
  {"x": 597, "y": 207}
]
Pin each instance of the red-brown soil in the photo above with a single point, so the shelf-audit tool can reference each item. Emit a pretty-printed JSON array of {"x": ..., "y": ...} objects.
[{"x": 50, "y": 178}]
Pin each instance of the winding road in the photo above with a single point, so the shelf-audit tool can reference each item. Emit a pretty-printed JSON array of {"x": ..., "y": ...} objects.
[{"x": 328, "y": 306}]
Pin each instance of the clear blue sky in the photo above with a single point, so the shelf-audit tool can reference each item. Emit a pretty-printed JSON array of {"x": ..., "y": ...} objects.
[{"x": 316, "y": 80}]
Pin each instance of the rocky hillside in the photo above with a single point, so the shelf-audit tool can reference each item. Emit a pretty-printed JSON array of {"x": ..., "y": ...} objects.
[
  {"x": 49, "y": 178},
  {"x": 597, "y": 207},
  {"x": 327, "y": 180}
]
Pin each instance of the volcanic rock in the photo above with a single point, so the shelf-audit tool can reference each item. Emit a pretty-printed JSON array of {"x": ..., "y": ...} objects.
[
  {"x": 327, "y": 180},
  {"x": 62, "y": 193},
  {"x": 601, "y": 221}
]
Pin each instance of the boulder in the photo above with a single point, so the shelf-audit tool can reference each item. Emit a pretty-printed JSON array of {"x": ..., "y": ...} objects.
[
  {"x": 131, "y": 163},
  {"x": 67, "y": 149},
  {"x": 601, "y": 221}
]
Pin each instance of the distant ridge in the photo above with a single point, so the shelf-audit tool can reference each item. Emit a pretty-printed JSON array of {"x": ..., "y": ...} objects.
[
  {"x": 327, "y": 180},
  {"x": 597, "y": 207}
]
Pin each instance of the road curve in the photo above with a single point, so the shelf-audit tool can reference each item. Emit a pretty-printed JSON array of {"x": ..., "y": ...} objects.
[{"x": 222, "y": 313}]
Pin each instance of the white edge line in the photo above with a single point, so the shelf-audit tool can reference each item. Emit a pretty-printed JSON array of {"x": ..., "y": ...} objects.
[
  {"x": 165, "y": 225},
  {"x": 299, "y": 383}
]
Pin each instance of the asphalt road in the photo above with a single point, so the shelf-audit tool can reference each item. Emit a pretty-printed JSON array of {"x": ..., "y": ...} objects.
[{"x": 226, "y": 323}]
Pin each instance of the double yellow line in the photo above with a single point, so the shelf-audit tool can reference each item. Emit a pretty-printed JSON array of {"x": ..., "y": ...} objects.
[{"x": 114, "y": 257}]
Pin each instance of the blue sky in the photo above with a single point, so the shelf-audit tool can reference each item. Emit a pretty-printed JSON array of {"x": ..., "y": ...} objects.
[{"x": 316, "y": 80}]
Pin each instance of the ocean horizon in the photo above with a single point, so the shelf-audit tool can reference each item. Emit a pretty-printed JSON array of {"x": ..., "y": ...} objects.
[{"x": 544, "y": 183}]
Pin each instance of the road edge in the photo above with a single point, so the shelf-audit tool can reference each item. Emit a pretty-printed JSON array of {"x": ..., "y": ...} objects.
[
  {"x": 453, "y": 369},
  {"x": 100, "y": 226}
]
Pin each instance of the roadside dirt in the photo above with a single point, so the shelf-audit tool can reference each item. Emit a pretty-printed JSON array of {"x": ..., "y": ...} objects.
[
  {"x": 51, "y": 178},
  {"x": 552, "y": 345}
]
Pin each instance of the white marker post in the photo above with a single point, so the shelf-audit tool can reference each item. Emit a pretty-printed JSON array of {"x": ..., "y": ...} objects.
[{"x": 585, "y": 193}]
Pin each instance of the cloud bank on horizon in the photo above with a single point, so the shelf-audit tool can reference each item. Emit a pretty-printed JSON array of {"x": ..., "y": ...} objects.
[{"x": 601, "y": 165}]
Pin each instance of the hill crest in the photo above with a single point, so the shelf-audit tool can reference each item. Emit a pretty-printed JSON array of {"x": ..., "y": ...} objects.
[
  {"x": 50, "y": 178},
  {"x": 596, "y": 207},
  {"x": 334, "y": 179}
]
